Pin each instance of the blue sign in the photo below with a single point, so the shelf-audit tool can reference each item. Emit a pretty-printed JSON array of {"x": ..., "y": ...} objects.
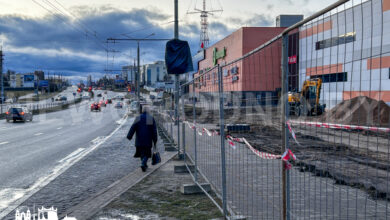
[
  {"x": 43, "y": 83},
  {"x": 119, "y": 81},
  {"x": 29, "y": 78}
]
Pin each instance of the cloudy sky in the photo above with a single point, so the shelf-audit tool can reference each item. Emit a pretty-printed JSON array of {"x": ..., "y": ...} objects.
[{"x": 69, "y": 36}]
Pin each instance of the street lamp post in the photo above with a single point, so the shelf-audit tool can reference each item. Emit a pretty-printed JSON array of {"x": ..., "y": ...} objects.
[
  {"x": 138, "y": 54},
  {"x": 2, "y": 80}
]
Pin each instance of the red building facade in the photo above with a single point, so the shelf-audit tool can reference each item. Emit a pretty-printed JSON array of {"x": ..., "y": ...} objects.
[{"x": 258, "y": 74}]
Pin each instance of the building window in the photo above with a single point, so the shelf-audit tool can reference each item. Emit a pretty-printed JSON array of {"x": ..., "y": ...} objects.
[
  {"x": 234, "y": 70},
  {"x": 332, "y": 77},
  {"x": 334, "y": 41},
  {"x": 225, "y": 72}
]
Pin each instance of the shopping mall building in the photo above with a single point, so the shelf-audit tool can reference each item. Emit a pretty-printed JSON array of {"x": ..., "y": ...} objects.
[
  {"x": 350, "y": 51},
  {"x": 349, "y": 48},
  {"x": 239, "y": 77}
]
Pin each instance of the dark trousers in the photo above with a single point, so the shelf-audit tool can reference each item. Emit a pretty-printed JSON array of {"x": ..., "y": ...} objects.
[{"x": 144, "y": 161}]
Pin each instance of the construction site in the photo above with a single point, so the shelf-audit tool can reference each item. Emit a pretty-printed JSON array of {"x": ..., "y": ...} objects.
[{"x": 293, "y": 120}]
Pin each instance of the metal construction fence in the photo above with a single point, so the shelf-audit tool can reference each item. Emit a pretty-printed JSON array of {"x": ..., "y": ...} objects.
[{"x": 299, "y": 127}]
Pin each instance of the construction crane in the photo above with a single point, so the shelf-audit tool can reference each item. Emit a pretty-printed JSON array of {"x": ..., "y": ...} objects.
[{"x": 204, "y": 36}]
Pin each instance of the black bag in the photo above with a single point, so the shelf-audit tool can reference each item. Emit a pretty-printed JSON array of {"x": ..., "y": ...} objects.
[{"x": 156, "y": 156}]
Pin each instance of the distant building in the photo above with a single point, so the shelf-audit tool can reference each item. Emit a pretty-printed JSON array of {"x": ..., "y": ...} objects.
[
  {"x": 129, "y": 73},
  {"x": 155, "y": 72},
  {"x": 89, "y": 80},
  {"x": 288, "y": 20},
  {"x": 19, "y": 80}
]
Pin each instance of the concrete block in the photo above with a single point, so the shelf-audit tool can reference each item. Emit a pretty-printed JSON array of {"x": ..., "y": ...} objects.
[
  {"x": 180, "y": 156},
  {"x": 170, "y": 148},
  {"x": 183, "y": 169},
  {"x": 238, "y": 217},
  {"x": 188, "y": 189}
]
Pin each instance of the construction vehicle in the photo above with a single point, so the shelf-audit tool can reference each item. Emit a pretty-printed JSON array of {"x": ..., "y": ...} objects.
[{"x": 307, "y": 102}]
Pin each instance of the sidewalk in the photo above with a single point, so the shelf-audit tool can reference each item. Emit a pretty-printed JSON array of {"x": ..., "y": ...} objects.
[{"x": 158, "y": 196}]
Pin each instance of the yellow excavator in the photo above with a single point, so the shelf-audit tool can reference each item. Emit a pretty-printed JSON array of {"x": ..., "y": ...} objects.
[{"x": 307, "y": 102}]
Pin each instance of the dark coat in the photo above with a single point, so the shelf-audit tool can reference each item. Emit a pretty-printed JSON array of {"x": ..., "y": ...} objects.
[{"x": 146, "y": 134}]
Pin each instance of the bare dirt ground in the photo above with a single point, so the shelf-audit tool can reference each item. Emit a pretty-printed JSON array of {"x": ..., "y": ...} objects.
[
  {"x": 355, "y": 158},
  {"x": 159, "y": 197}
]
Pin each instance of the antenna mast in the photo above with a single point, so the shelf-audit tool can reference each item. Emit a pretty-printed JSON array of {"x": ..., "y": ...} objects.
[{"x": 204, "y": 35}]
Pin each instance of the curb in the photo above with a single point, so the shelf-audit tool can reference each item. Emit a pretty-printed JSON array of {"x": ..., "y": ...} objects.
[{"x": 89, "y": 207}]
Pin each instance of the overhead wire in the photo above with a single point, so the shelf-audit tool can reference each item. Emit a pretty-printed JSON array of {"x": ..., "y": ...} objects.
[{"x": 80, "y": 29}]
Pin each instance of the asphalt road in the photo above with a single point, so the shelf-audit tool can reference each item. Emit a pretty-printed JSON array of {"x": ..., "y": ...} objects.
[{"x": 33, "y": 154}]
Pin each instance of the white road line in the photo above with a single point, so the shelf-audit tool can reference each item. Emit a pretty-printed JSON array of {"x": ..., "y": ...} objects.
[
  {"x": 5, "y": 142},
  {"x": 59, "y": 128},
  {"x": 37, "y": 134},
  {"x": 74, "y": 153}
]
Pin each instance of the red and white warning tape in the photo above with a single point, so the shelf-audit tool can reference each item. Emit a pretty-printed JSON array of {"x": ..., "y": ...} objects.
[
  {"x": 341, "y": 126},
  {"x": 292, "y": 132},
  {"x": 260, "y": 154},
  {"x": 288, "y": 155}
]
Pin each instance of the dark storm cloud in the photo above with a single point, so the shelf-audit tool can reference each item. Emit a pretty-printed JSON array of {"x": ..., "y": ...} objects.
[
  {"x": 78, "y": 38},
  {"x": 77, "y": 46}
]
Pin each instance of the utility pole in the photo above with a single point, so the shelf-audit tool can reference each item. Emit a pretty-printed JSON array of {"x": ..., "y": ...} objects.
[
  {"x": 48, "y": 79},
  {"x": 138, "y": 73},
  {"x": 2, "y": 80},
  {"x": 138, "y": 55},
  {"x": 177, "y": 123}
]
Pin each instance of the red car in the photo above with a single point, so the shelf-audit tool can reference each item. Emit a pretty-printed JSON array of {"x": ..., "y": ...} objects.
[
  {"x": 102, "y": 103},
  {"x": 95, "y": 107}
]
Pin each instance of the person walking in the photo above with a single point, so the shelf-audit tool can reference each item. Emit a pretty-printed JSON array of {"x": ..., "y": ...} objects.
[{"x": 146, "y": 135}]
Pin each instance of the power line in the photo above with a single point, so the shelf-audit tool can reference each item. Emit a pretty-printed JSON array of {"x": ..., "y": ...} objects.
[{"x": 49, "y": 4}]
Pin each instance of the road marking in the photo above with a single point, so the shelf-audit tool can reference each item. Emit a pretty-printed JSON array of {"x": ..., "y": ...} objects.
[
  {"x": 59, "y": 128},
  {"x": 6, "y": 142},
  {"x": 71, "y": 155},
  {"x": 10, "y": 204},
  {"x": 37, "y": 134}
]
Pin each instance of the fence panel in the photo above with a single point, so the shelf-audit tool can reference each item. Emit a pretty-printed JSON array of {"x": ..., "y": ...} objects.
[
  {"x": 335, "y": 85},
  {"x": 343, "y": 166}
]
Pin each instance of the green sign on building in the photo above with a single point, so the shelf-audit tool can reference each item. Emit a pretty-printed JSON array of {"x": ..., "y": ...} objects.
[{"x": 218, "y": 55}]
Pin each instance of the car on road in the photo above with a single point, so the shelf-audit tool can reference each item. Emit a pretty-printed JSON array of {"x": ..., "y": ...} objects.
[
  {"x": 18, "y": 114},
  {"x": 61, "y": 98},
  {"x": 99, "y": 95},
  {"x": 86, "y": 96},
  {"x": 134, "y": 106},
  {"x": 102, "y": 103},
  {"x": 95, "y": 107},
  {"x": 119, "y": 105}
]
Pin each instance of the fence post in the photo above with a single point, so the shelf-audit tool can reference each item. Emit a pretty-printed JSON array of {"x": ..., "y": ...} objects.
[
  {"x": 183, "y": 131},
  {"x": 177, "y": 116},
  {"x": 194, "y": 128},
  {"x": 285, "y": 113},
  {"x": 222, "y": 133}
]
